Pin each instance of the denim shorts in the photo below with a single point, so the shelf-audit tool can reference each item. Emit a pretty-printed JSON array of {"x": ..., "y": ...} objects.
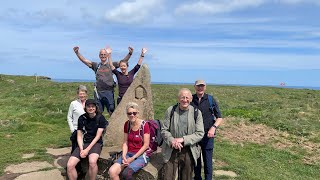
[{"x": 137, "y": 164}]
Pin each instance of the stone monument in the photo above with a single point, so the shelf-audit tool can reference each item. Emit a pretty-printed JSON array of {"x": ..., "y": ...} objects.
[{"x": 140, "y": 93}]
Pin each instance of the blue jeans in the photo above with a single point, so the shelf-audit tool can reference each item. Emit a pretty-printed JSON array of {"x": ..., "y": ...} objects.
[
  {"x": 137, "y": 164},
  {"x": 207, "y": 145},
  {"x": 106, "y": 98}
]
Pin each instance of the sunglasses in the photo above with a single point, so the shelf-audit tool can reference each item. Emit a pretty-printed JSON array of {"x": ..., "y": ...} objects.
[{"x": 130, "y": 113}]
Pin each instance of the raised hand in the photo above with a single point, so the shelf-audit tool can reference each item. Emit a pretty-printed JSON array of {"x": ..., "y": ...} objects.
[
  {"x": 143, "y": 51},
  {"x": 76, "y": 49},
  {"x": 130, "y": 49},
  {"x": 109, "y": 50}
]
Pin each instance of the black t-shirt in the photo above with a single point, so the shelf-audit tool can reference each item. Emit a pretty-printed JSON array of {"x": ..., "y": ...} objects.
[{"x": 91, "y": 126}]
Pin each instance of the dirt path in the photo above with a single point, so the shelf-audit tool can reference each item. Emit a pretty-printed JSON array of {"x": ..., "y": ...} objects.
[{"x": 239, "y": 133}]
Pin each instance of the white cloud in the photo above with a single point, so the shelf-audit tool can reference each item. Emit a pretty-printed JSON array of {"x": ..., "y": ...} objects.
[
  {"x": 133, "y": 11},
  {"x": 206, "y": 7},
  {"x": 298, "y": 1},
  {"x": 221, "y": 6}
]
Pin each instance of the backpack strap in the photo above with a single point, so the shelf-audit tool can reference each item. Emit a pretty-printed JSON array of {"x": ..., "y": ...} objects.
[
  {"x": 210, "y": 98},
  {"x": 99, "y": 65},
  {"x": 141, "y": 129},
  {"x": 171, "y": 113},
  {"x": 195, "y": 113}
]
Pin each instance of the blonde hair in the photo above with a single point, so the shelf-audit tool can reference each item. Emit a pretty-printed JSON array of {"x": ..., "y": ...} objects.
[{"x": 132, "y": 105}]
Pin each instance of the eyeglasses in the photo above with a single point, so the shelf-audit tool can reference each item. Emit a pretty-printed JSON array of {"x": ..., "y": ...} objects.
[
  {"x": 130, "y": 113},
  {"x": 184, "y": 97}
]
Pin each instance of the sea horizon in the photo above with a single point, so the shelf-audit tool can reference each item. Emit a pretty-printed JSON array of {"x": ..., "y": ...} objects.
[{"x": 181, "y": 83}]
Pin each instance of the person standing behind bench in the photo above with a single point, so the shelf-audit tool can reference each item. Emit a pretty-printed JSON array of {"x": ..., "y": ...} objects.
[
  {"x": 201, "y": 100},
  {"x": 181, "y": 133},
  {"x": 104, "y": 86},
  {"x": 124, "y": 77},
  {"x": 76, "y": 109}
]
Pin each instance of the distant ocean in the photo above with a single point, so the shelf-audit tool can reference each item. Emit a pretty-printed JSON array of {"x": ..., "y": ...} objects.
[{"x": 179, "y": 83}]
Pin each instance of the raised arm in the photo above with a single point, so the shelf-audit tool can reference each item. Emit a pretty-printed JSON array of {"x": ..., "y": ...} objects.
[
  {"x": 109, "y": 51},
  {"x": 116, "y": 64},
  {"x": 81, "y": 58},
  {"x": 143, "y": 51}
]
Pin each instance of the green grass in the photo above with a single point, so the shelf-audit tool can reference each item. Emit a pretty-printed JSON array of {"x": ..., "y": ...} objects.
[
  {"x": 259, "y": 162},
  {"x": 33, "y": 117}
]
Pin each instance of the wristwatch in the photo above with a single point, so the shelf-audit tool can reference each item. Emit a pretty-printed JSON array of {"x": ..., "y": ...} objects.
[{"x": 214, "y": 126}]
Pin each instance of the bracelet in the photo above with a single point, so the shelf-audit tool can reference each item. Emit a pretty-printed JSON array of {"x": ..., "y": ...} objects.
[
  {"x": 130, "y": 53},
  {"x": 142, "y": 55},
  {"x": 214, "y": 126}
]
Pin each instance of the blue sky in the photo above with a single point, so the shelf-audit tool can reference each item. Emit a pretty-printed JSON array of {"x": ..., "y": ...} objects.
[{"x": 258, "y": 42}]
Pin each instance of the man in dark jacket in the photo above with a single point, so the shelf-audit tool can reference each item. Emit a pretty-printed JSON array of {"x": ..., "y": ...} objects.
[{"x": 211, "y": 120}]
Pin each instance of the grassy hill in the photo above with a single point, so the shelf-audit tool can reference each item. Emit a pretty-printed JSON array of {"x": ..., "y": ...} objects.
[{"x": 268, "y": 133}]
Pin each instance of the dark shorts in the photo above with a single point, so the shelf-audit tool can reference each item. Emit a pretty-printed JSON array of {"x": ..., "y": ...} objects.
[{"x": 95, "y": 149}]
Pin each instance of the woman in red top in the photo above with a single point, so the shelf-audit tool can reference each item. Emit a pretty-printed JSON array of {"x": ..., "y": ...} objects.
[{"x": 136, "y": 142}]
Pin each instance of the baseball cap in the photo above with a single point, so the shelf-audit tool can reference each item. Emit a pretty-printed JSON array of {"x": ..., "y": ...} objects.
[
  {"x": 199, "y": 82},
  {"x": 91, "y": 101}
]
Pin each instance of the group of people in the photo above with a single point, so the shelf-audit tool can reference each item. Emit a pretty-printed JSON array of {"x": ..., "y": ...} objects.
[
  {"x": 188, "y": 129},
  {"x": 105, "y": 84}
]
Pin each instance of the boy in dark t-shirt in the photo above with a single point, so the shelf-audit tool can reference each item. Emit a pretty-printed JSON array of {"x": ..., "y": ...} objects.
[{"x": 91, "y": 126}]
